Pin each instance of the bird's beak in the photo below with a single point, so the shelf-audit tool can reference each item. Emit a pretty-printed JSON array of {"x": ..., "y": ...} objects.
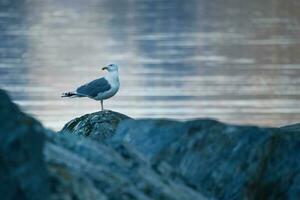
[{"x": 104, "y": 68}]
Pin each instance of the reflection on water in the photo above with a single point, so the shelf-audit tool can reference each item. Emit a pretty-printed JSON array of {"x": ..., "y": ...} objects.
[{"x": 237, "y": 62}]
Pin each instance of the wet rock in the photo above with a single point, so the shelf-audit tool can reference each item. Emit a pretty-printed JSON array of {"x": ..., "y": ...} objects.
[
  {"x": 97, "y": 126},
  {"x": 23, "y": 172},
  {"x": 218, "y": 160}
]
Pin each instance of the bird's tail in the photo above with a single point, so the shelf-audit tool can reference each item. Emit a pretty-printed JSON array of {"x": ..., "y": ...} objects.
[{"x": 69, "y": 94}]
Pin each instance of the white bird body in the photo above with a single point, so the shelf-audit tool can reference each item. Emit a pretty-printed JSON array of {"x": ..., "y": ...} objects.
[
  {"x": 113, "y": 79},
  {"x": 101, "y": 88}
]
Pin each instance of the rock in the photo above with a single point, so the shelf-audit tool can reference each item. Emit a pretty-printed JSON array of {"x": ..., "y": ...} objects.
[
  {"x": 97, "y": 126},
  {"x": 86, "y": 169},
  {"x": 36, "y": 163},
  {"x": 23, "y": 172},
  {"x": 148, "y": 138},
  {"x": 218, "y": 160},
  {"x": 145, "y": 159},
  {"x": 291, "y": 128}
]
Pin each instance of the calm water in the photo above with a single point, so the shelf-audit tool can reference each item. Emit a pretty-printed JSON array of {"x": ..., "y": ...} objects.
[{"x": 236, "y": 62}]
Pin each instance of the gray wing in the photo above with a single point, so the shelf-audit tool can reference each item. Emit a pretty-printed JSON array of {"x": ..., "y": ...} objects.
[{"x": 93, "y": 88}]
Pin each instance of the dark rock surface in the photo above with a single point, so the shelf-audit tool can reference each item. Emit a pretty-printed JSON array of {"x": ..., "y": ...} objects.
[
  {"x": 291, "y": 128},
  {"x": 85, "y": 169},
  {"x": 97, "y": 126},
  {"x": 39, "y": 164},
  {"x": 145, "y": 159},
  {"x": 23, "y": 172},
  {"x": 219, "y": 160}
]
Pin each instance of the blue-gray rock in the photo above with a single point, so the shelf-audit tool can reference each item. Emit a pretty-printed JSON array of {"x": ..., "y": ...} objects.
[
  {"x": 36, "y": 164},
  {"x": 219, "y": 160},
  {"x": 82, "y": 168},
  {"x": 145, "y": 159},
  {"x": 23, "y": 172},
  {"x": 97, "y": 126}
]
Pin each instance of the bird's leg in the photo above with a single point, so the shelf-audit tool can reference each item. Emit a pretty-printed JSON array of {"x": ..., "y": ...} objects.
[{"x": 101, "y": 105}]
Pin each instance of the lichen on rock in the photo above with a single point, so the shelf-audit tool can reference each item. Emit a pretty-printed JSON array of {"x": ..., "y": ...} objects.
[{"x": 97, "y": 126}]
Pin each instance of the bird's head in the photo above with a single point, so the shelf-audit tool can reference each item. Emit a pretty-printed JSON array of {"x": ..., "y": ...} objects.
[{"x": 111, "y": 67}]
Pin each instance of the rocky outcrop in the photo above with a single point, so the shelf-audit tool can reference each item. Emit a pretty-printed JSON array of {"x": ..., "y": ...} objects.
[
  {"x": 107, "y": 155},
  {"x": 23, "y": 172},
  {"x": 97, "y": 126},
  {"x": 85, "y": 169},
  {"x": 219, "y": 160},
  {"x": 38, "y": 164}
]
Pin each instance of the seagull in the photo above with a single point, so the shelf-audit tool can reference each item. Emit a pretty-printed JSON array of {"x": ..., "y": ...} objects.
[{"x": 101, "y": 88}]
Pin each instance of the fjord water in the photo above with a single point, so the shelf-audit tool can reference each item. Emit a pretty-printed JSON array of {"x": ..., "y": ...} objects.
[{"x": 236, "y": 62}]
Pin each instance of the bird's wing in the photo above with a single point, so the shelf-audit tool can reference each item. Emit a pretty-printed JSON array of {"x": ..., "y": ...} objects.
[{"x": 93, "y": 88}]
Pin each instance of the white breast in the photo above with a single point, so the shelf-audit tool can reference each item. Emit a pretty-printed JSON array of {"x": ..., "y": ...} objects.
[{"x": 113, "y": 80}]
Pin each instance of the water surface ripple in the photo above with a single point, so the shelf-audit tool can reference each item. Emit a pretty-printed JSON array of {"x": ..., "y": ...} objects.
[{"x": 236, "y": 62}]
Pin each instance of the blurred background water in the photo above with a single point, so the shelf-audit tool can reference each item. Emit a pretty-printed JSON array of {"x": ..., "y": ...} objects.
[{"x": 236, "y": 61}]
